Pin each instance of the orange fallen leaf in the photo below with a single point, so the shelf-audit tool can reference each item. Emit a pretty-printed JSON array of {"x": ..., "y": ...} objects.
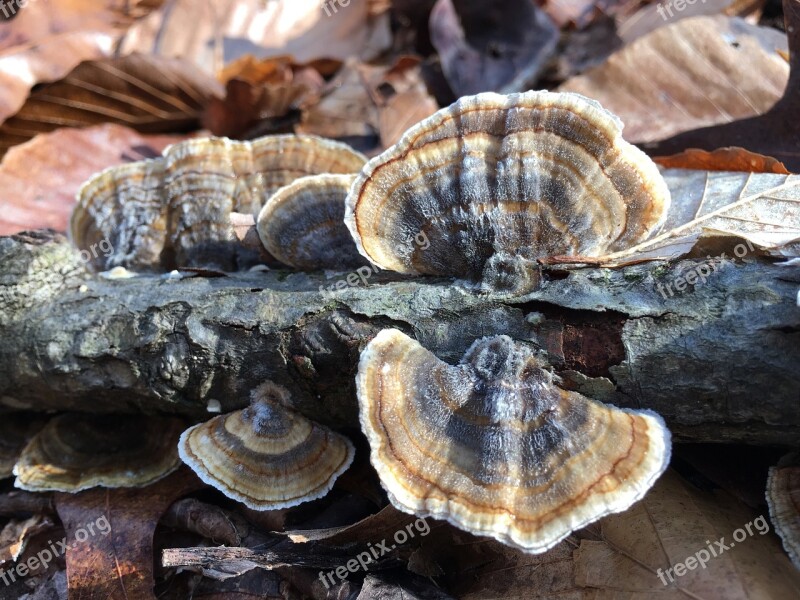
[
  {"x": 722, "y": 159},
  {"x": 39, "y": 179}
]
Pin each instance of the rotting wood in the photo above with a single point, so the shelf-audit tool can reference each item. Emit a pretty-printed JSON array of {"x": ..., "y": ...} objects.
[{"x": 719, "y": 361}]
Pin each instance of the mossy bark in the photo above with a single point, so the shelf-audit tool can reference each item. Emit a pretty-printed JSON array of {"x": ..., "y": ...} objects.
[{"x": 719, "y": 360}]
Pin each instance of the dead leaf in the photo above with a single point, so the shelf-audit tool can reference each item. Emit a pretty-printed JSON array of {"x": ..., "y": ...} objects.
[
  {"x": 16, "y": 534},
  {"x": 117, "y": 564},
  {"x": 149, "y": 94},
  {"x": 42, "y": 63},
  {"x": 43, "y": 22},
  {"x": 257, "y": 91},
  {"x": 775, "y": 133},
  {"x": 485, "y": 46},
  {"x": 387, "y": 586},
  {"x": 690, "y": 74},
  {"x": 675, "y": 526},
  {"x": 39, "y": 179},
  {"x": 722, "y": 159},
  {"x": 46, "y": 40},
  {"x": 620, "y": 555},
  {"x": 761, "y": 208},
  {"x": 370, "y": 106},
  {"x": 370, "y": 529},
  {"x": 651, "y": 16},
  {"x": 222, "y": 31}
]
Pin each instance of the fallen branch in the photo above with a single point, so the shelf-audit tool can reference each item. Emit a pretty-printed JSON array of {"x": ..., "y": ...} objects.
[{"x": 718, "y": 360}]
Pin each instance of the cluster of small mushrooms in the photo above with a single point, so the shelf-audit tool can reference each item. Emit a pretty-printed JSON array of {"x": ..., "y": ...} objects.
[{"x": 493, "y": 445}]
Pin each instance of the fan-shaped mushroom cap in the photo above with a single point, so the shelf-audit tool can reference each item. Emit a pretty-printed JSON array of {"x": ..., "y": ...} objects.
[
  {"x": 495, "y": 447},
  {"x": 496, "y": 182},
  {"x": 75, "y": 452},
  {"x": 302, "y": 224},
  {"x": 267, "y": 456},
  {"x": 783, "y": 498},
  {"x": 177, "y": 208}
]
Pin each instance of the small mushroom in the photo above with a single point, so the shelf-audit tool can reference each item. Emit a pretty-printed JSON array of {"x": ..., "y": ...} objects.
[
  {"x": 302, "y": 224},
  {"x": 267, "y": 456},
  {"x": 495, "y": 447},
  {"x": 783, "y": 499},
  {"x": 75, "y": 452},
  {"x": 176, "y": 210},
  {"x": 496, "y": 182}
]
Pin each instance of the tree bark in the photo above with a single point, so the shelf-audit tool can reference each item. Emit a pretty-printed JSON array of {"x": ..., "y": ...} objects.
[{"x": 719, "y": 360}]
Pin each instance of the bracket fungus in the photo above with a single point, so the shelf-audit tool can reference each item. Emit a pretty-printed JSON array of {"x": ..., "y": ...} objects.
[
  {"x": 75, "y": 452},
  {"x": 495, "y": 447},
  {"x": 176, "y": 209},
  {"x": 302, "y": 224},
  {"x": 783, "y": 498},
  {"x": 267, "y": 456},
  {"x": 497, "y": 182}
]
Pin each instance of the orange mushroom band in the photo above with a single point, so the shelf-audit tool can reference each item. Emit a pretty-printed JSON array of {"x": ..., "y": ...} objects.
[
  {"x": 267, "y": 456},
  {"x": 495, "y": 447},
  {"x": 497, "y": 182}
]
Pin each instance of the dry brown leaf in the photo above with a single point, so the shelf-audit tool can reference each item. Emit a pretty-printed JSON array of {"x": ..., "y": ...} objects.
[
  {"x": 762, "y": 208},
  {"x": 222, "y": 31},
  {"x": 694, "y": 73},
  {"x": 149, "y": 94},
  {"x": 651, "y": 16},
  {"x": 15, "y": 535},
  {"x": 44, "y": 62},
  {"x": 620, "y": 556},
  {"x": 261, "y": 90},
  {"x": 374, "y": 104},
  {"x": 46, "y": 40},
  {"x": 43, "y": 22},
  {"x": 676, "y": 524},
  {"x": 117, "y": 564},
  {"x": 722, "y": 159},
  {"x": 39, "y": 179},
  {"x": 370, "y": 529},
  {"x": 775, "y": 133}
]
